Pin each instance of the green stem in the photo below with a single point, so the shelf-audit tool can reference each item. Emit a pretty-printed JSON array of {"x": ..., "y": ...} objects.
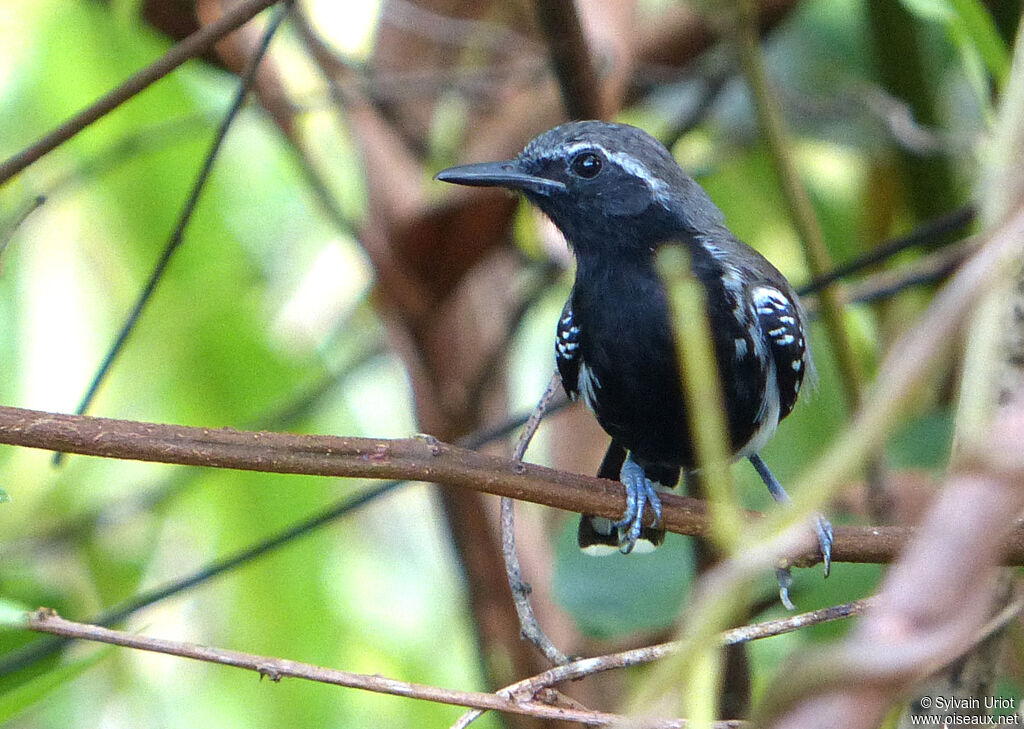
[
  {"x": 703, "y": 394},
  {"x": 797, "y": 199}
]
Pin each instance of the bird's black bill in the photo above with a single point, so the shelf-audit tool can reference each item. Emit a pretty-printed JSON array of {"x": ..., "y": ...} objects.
[{"x": 498, "y": 174}]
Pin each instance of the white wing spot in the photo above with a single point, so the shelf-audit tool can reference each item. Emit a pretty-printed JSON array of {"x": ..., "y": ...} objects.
[
  {"x": 741, "y": 347},
  {"x": 797, "y": 364}
]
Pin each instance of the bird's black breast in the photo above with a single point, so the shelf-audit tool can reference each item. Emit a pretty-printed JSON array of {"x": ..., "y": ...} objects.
[{"x": 627, "y": 368}]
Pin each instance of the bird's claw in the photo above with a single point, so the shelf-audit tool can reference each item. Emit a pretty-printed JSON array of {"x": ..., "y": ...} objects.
[
  {"x": 785, "y": 578},
  {"x": 825, "y": 539},
  {"x": 639, "y": 493}
]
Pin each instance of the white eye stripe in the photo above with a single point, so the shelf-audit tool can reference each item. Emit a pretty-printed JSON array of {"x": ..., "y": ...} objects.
[{"x": 626, "y": 161}]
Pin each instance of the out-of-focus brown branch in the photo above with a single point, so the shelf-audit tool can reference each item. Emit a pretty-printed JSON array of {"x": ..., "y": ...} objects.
[
  {"x": 680, "y": 32},
  {"x": 570, "y": 58},
  {"x": 931, "y": 608},
  {"x": 419, "y": 459},
  {"x": 194, "y": 45}
]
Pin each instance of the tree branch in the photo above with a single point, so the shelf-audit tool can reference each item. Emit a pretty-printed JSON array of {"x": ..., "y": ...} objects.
[
  {"x": 422, "y": 458},
  {"x": 584, "y": 667},
  {"x": 570, "y": 58},
  {"x": 520, "y": 698},
  {"x": 45, "y": 620}
]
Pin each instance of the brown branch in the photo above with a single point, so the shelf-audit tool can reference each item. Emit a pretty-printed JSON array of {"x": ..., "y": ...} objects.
[
  {"x": 529, "y": 627},
  {"x": 518, "y": 699},
  {"x": 45, "y": 620},
  {"x": 420, "y": 459},
  {"x": 570, "y": 58},
  {"x": 584, "y": 667},
  {"x": 194, "y": 45}
]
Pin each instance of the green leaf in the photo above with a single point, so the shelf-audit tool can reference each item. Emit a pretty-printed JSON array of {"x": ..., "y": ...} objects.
[
  {"x": 973, "y": 32},
  {"x": 20, "y": 698},
  {"x": 617, "y": 594},
  {"x": 981, "y": 29}
]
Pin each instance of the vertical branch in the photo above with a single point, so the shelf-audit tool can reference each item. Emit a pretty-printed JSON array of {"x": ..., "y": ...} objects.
[
  {"x": 797, "y": 199},
  {"x": 528, "y": 624},
  {"x": 896, "y": 37},
  {"x": 704, "y": 671},
  {"x": 570, "y": 58}
]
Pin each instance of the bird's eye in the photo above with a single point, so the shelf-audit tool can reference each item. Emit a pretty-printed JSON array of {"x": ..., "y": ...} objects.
[{"x": 586, "y": 165}]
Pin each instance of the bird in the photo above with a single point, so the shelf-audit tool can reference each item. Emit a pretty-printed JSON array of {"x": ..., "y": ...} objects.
[{"x": 619, "y": 196}]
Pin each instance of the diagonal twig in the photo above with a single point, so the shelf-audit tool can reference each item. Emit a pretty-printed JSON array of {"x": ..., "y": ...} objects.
[
  {"x": 178, "y": 234},
  {"x": 583, "y": 667},
  {"x": 190, "y": 47}
]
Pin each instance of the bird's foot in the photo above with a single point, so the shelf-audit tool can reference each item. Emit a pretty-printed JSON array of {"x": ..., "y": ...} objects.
[
  {"x": 825, "y": 540},
  {"x": 822, "y": 525},
  {"x": 639, "y": 493},
  {"x": 785, "y": 578}
]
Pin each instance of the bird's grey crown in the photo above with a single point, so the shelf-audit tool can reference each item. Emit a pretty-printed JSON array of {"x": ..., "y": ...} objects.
[{"x": 638, "y": 153}]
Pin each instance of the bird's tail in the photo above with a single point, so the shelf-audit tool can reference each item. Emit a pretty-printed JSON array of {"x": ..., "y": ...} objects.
[{"x": 596, "y": 535}]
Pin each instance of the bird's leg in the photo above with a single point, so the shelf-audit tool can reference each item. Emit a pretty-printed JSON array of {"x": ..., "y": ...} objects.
[
  {"x": 639, "y": 492},
  {"x": 822, "y": 525}
]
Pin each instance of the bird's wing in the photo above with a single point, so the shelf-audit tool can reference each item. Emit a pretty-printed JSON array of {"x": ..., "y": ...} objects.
[
  {"x": 779, "y": 318},
  {"x": 567, "y": 351}
]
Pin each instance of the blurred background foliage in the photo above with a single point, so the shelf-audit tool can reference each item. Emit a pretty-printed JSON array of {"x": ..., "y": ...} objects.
[{"x": 272, "y": 314}]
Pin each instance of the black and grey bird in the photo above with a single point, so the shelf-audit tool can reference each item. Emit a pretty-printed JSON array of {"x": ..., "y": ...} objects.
[{"x": 618, "y": 196}]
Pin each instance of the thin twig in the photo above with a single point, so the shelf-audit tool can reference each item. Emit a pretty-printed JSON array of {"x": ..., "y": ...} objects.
[
  {"x": 178, "y": 234},
  {"x": 45, "y": 620},
  {"x": 925, "y": 235},
  {"x": 529, "y": 627},
  {"x": 927, "y": 270},
  {"x": 7, "y": 232},
  {"x": 584, "y": 667},
  {"x": 192, "y": 46},
  {"x": 446, "y": 30},
  {"x": 533, "y": 422}
]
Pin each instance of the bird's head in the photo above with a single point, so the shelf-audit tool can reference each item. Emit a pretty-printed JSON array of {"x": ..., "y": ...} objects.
[{"x": 599, "y": 181}]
